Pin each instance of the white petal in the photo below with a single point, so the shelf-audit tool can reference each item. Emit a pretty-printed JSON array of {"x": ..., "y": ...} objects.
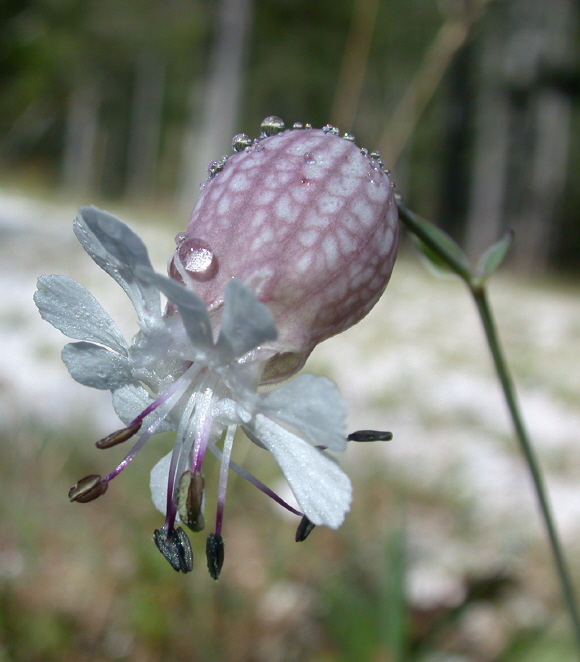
[
  {"x": 119, "y": 251},
  {"x": 130, "y": 400},
  {"x": 158, "y": 483},
  {"x": 96, "y": 366},
  {"x": 321, "y": 488},
  {"x": 313, "y": 406},
  {"x": 246, "y": 322},
  {"x": 72, "y": 309},
  {"x": 191, "y": 308}
]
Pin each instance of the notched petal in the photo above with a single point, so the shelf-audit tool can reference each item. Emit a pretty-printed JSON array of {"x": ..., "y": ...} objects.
[
  {"x": 321, "y": 488},
  {"x": 246, "y": 322},
  {"x": 313, "y": 406},
  {"x": 191, "y": 308},
  {"x": 116, "y": 238},
  {"x": 96, "y": 366},
  {"x": 72, "y": 309},
  {"x": 119, "y": 252}
]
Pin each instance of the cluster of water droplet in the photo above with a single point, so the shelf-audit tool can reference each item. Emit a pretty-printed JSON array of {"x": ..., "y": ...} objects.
[
  {"x": 214, "y": 167},
  {"x": 273, "y": 125}
]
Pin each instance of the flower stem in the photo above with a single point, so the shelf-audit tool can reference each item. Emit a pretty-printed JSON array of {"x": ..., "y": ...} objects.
[
  {"x": 420, "y": 228},
  {"x": 486, "y": 315}
]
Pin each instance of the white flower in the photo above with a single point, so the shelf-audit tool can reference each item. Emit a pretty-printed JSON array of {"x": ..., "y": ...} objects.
[{"x": 177, "y": 375}]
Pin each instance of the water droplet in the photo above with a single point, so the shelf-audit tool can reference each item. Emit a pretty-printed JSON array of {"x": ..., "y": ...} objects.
[
  {"x": 398, "y": 195},
  {"x": 309, "y": 158},
  {"x": 364, "y": 151},
  {"x": 349, "y": 137},
  {"x": 298, "y": 125},
  {"x": 332, "y": 130},
  {"x": 272, "y": 125},
  {"x": 375, "y": 155},
  {"x": 258, "y": 147},
  {"x": 371, "y": 177},
  {"x": 306, "y": 182},
  {"x": 197, "y": 259},
  {"x": 180, "y": 238},
  {"x": 213, "y": 167},
  {"x": 202, "y": 186},
  {"x": 308, "y": 126},
  {"x": 375, "y": 165},
  {"x": 240, "y": 141}
]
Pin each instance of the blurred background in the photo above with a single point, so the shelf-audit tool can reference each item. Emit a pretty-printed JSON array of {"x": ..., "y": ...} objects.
[{"x": 474, "y": 106}]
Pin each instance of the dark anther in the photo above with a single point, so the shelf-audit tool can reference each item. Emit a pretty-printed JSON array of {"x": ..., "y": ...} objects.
[
  {"x": 304, "y": 529},
  {"x": 119, "y": 436},
  {"x": 370, "y": 435},
  {"x": 175, "y": 547},
  {"x": 214, "y": 551},
  {"x": 190, "y": 500},
  {"x": 88, "y": 489}
]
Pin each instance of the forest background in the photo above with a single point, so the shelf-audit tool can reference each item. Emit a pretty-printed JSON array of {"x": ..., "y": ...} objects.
[{"x": 473, "y": 104}]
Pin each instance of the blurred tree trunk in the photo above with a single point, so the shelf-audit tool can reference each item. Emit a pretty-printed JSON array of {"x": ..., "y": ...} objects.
[
  {"x": 522, "y": 127},
  {"x": 80, "y": 140},
  {"x": 455, "y": 157},
  {"x": 211, "y": 129},
  {"x": 145, "y": 129}
]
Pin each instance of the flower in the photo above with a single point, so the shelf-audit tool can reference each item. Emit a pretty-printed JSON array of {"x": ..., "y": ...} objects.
[
  {"x": 293, "y": 239},
  {"x": 175, "y": 376},
  {"x": 307, "y": 220}
]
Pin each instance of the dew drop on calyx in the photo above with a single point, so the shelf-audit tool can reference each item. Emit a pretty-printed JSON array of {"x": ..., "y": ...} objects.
[
  {"x": 215, "y": 167},
  {"x": 308, "y": 158},
  {"x": 272, "y": 125},
  {"x": 329, "y": 129},
  {"x": 197, "y": 259},
  {"x": 240, "y": 141}
]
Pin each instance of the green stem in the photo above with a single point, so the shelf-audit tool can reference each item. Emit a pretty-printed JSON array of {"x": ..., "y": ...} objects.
[
  {"x": 527, "y": 449},
  {"x": 480, "y": 297}
]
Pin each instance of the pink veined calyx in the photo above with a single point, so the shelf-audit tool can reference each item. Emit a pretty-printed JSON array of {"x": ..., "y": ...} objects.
[{"x": 293, "y": 239}]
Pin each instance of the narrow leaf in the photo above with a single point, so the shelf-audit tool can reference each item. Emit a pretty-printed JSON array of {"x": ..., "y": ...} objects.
[
  {"x": 444, "y": 243},
  {"x": 493, "y": 257}
]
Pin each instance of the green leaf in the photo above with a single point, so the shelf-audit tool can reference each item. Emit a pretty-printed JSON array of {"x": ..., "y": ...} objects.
[
  {"x": 439, "y": 248},
  {"x": 493, "y": 257}
]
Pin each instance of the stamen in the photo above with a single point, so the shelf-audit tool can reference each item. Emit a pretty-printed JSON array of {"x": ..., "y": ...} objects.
[
  {"x": 304, "y": 529},
  {"x": 203, "y": 421},
  {"x": 214, "y": 552},
  {"x": 190, "y": 500},
  {"x": 88, "y": 489},
  {"x": 223, "y": 481},
  {"x": 252, "y": 479},
  {"x": 120, "y": 436},
  {"x": 177, "y": 462},
  {"x": 175, "y": 547},
  {"x": 169, "y": 400},
  {"x": 370, "y": 435}
]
